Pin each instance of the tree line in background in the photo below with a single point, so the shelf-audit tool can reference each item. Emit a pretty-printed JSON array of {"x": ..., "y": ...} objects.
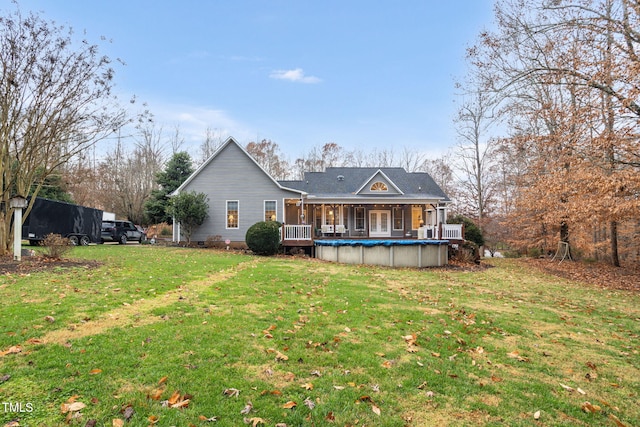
[
  {"x": 559, "y": 79},
  {"x": 547, "y": 148}
]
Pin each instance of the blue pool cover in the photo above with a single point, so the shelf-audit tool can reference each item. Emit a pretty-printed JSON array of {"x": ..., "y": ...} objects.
[{"x": 368, "y": 242}]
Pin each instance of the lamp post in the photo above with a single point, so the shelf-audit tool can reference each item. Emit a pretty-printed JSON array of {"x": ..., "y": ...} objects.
[{"x": 17, "y": 203}]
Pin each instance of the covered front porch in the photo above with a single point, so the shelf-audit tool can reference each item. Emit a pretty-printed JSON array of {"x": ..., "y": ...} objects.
[{"x": 306, "y": 222}]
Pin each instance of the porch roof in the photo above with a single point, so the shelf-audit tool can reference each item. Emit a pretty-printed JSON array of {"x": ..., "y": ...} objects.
[{"x": 346, "y": 184}]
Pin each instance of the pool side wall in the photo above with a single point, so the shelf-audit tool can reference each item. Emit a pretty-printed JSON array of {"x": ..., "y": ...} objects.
[{"x": 419, "y": 255}]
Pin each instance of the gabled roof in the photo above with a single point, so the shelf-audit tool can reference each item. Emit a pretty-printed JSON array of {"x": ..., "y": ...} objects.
[
  {"x": 348, "y": 182},
  {"x": 206, "y": 163},
  {"x": 379, "y": 177}
]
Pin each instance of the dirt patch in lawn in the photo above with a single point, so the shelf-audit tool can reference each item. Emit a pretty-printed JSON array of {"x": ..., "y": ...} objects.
[
  {"x": 598, "y": 274},
  {"x": 137, "y": 313}
]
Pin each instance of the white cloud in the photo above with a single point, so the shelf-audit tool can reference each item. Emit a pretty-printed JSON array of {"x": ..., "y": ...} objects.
[{"x": 295, "y": 75}]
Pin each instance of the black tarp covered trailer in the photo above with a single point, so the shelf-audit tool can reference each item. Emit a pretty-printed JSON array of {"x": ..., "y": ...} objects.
[{"x": 80, "y": 224}]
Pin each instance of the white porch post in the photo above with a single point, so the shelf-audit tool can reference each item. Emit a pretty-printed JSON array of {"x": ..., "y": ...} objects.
[
  {"x": 17, "y": 203},
  {"x": 176, "y": 231},
  {"x": 442, "y": 215}
]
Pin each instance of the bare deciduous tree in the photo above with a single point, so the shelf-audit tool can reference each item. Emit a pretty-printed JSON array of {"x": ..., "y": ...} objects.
[
  {"x": 55, "y": 101},
  {"x": 267, "y": 154}
]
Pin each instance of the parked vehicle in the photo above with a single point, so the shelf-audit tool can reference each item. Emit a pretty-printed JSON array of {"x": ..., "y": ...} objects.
[
  {"x": 121, "y": 232},
  {"x": 80, "y": 224}
]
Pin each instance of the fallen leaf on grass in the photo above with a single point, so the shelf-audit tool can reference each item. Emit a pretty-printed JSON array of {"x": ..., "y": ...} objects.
[
  {"x": 309, "y": 403},
  {"x": 247, "y": 408},
  {"x": 181, "y": 404},
  {"x": 375, "y": 409},
  {"x": 410, "y": 339},
  {"x": 117, "y": 422},
  {"x": 589, "y": 408},
  {"x": 128, "y": 413},
  {"x": 231, "y": 392},
  {"x": 14, "y": 349},
  {"x": 307, "y": 386},
  {"x": 290, "y": 405},
  {"x": 566, "y": 387},
  {"x": 536, "y": 415},
  {"x": 210, "y": 419},
  {"x": 255, "y": 421},
  {"x": 153, "y": 419},
  {"x": 175, "y": 397},
  {"x": 178, "y": 400},
  {"x": 72, "y": 407},
  {"x": 516, "y": 355},
  {"x": 155, "y": 394},
  {"x": 281, "y": 357},
  {"x": 95, "y": 371},
  {"x": 617, "y": 421}
]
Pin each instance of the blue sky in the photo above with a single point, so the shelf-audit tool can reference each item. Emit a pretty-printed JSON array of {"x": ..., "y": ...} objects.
[{"x": 362, "y": 74}]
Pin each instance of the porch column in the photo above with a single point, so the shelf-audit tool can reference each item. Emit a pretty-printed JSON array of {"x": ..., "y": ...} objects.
[{"x": 442, "y": 215}]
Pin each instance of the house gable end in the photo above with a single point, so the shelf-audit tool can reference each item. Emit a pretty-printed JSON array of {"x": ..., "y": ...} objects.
[
  {"x": 379, "y": 184},
  {"x": 226, "y": 146}
]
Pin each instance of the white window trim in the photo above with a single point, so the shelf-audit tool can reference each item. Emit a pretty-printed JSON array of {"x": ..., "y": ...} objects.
[
  {"x": 393, "y": 219},
  {"x": 264, "y": 208},
  {"x": 364, "y": 218},
  {"x": 226, "y": 215}
]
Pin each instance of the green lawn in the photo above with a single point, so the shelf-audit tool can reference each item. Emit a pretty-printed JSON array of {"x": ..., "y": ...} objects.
[{"x": 179, "y": 337}]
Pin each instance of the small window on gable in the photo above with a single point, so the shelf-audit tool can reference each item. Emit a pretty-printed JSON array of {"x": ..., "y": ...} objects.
[{"x": 379, "y": 186}]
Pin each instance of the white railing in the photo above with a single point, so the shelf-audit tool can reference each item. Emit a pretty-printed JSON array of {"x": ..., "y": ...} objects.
[
  {"x": 297, "y": 232},
  {"x": 452, "y": 232},
  {"x": 442, "y": 232}
]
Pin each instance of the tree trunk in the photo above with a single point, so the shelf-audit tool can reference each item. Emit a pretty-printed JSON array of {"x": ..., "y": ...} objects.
[
  {"x": 564, "y": 237},
  {"x": 615, "y": 259}
]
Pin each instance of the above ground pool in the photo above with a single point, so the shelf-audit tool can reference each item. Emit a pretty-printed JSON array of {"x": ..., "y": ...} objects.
[{"x": 386, "y": 252}]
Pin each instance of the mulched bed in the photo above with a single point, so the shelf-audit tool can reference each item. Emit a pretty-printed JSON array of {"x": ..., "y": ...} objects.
[
  {"x": 30, "y": 264},
  {"x": 596, "y": 273}
]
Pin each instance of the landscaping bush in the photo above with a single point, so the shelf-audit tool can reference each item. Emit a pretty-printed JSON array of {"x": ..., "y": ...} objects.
[
  {"x": 55, "y": 246},
  {"x": 263, "y": 238},
  {"x": 471, "y": 231},
  {"x": 468, "y": 252}
]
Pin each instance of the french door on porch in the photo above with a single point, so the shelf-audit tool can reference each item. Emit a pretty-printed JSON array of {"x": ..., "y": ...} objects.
[{"x": 379, "y": 223}]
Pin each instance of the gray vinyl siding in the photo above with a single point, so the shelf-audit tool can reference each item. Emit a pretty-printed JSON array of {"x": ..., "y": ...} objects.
[{"x": 232, "y": 175}]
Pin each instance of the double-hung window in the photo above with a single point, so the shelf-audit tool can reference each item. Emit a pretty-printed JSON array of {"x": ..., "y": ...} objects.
[
  {"x": 398, "y": 218},
  {"x": 233, "y": 210},
  {"x": 270, "y": 210},
  {"x": 359, "y": 218}
]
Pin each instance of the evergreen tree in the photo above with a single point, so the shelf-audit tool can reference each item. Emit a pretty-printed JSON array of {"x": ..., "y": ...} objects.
[{"x": 175, "y": 173}]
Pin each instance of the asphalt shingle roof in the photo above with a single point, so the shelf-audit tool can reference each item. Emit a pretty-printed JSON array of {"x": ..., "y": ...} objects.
[{"x": 346, "y": 181}]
